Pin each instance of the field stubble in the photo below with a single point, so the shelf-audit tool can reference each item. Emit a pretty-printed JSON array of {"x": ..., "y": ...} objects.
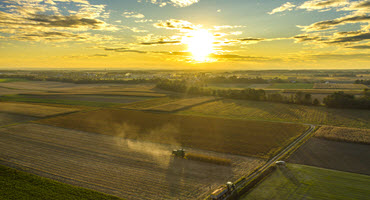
[
  {"x": 241, "y": 137},
  {"x": 126, "y": 168}
]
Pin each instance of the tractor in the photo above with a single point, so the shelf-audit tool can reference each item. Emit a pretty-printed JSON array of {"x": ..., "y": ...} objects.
[{"x": 180, "y": 153}]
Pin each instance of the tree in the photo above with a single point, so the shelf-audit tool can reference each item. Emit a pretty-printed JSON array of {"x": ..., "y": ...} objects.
[{"x": 316, "y": 102}]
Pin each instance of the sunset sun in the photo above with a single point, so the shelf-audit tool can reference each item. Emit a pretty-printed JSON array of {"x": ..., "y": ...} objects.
[{"x": 200, "y": 45}]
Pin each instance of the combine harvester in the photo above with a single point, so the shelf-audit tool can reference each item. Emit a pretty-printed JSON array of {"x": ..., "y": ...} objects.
[{"x": 180, "y": 153}]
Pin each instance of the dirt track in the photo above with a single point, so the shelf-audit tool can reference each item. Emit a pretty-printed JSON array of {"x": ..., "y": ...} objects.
[{"x": 125, "y": 168}]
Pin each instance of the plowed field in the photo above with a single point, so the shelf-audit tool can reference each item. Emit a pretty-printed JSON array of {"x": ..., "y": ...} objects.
[{"x": 125, "y": 168}]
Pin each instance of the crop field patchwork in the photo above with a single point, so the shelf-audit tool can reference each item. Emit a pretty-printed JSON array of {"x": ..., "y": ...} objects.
[
  {"x": 291, "y": 86},
  {"x": 142, "y": 105},
  {"x": 33, "y": 110},
  {"x": 130, "y": 169},
  {"x": 343, "y": 156},
  {"x": 338, "y": 86},
  {"x": 241, "y": 137},
  {"x": 90, "y": 98},
  {"x": 181, "y": 104},
  {"x": 238, "y": 109},
  {"x": 305, "y": 182},
  {"x": 8, "y": 118},
  {"x": 344, "y": 134}
]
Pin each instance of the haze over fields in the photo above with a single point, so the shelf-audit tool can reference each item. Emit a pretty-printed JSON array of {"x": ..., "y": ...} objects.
[
  {"x": 185, "y": 99},
  {"x": 179, "y": 34}
]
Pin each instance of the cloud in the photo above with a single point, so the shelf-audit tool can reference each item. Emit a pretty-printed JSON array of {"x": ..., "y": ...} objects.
[
  {"x": 322, "y": 4},
  {"x": 359, "y": 6},
  {"x": 175, "y": 24},
  {"x": 176, "y": 3},
  {"x": 38, "y": 20},
  {"x": 329, "y": 56},
  {"x": 124, "y": 50},
  {"x": 227, "y": 27},
  {"x": 72, "y": 21},
  {"x": 351, "y": 38},
  {"x": 160, "y": 42},
  {"x": 287, "y": 6},
  {"x": 133, "y": 15},
  {"x": 359, "y": 47},
  {"x": 329, "y": 24}
]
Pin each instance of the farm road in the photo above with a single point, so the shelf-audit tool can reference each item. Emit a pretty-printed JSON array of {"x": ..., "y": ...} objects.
[{"x": 125, "y": 168}]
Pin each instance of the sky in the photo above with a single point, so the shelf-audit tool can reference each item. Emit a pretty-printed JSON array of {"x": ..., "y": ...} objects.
[{"x": 184, "y": 34}]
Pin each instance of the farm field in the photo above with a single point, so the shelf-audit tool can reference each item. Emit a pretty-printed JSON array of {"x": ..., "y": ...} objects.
[
  {"x": 90, "y": 98},
  {"x": 355, "y": 135},
  {"x": 342, "y": 156},
  {"x": 55, "y": 102},
  {"x": 241, "y": 137},
  {"x": 291, "y": 86},
  {"x": 239, "y": 109},
  {"x": 142, "y": 105},
  {"x": 181, "y": 104},
  {"x": 33, "y": 110},
  {"x": 125, "y": 168},
  {"x": 16, "y": 184},
  {"x": 306, "y": 182},
  {"x": 8, "y": 118},
  {"x": 50, "y": 87},
  {"x": 338, "y": 86}
]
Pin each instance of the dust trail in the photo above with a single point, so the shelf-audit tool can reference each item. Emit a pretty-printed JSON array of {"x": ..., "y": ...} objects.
[{"x": 159, "y": 153}]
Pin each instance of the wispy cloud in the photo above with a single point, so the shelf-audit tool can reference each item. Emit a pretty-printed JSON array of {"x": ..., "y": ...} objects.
[
  {"x": 176, "y": 3},
  {"x": 329, "y": 24},
  {"x": 322, "y": 4},
  {"x": 286, "y": 6},
  {"x": 133, "y": 15}
]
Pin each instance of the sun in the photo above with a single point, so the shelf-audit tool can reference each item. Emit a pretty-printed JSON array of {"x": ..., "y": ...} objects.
[{"x": 200, "y": 44}]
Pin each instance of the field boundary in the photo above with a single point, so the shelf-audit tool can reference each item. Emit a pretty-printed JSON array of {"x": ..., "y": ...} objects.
[
  {"x": 255, "y": 177},
  {"x": 180, "y": 109}
]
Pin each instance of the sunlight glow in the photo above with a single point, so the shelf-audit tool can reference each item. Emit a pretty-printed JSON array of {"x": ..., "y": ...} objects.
[{"x": 200, "y": 45}]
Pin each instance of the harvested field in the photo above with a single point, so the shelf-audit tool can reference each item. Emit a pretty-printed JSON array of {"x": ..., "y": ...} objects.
[
  {"x": 181, "y": 104},
  {"x": 33, "y": 110},
  {"x": 355, "y": 135},
  {"x": 8, "y": 118},
  {"x": 338, "y": 86},
  {"x": 126, "y": 168},
  {"x": 306, "y": 182},
  {"x": 291, "y": 86},
  {"x": 15, "y": 184},
  {"x": 142, "y": 105},
  {"x": 91, "y": 98},
  {"x": 208, "y": 159},
  {"x": 343, "y": 156},
  {"x": 250, "y": 138},
  {"x": 239, "y": 109}
]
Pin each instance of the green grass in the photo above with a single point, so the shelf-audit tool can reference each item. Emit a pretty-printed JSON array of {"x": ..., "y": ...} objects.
[
  {"x": 8, "y": 80},
  {"x": 15, "y": 184},
  {"x": 257, "y": 110},
  {"x": 23, "y": 98},
  {"x": 306, "y": 182},
  {"x": 291, "y": 86}
]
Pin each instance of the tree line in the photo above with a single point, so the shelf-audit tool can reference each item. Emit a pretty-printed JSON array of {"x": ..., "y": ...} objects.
[{"x": 335, "y": 100}]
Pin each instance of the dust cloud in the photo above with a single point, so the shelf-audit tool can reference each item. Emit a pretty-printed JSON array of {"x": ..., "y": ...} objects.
[{"x": 159, "y": 153}]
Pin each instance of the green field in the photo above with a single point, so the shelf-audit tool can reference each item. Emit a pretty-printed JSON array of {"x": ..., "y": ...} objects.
[
  {"x": 24, "y": 98},
  {"x": 305, "y": 182},
  {"x": 8, "y": 80},
  {"x": 15, "y": 184},
  {"x": 239, "y": 109},
  {"x": 291, "y": 86}
]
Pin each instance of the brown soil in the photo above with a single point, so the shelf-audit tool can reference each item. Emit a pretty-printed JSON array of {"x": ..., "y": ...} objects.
[
  {"x": 126, "y": 168},
  {"x": 349, "y": 157}
]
